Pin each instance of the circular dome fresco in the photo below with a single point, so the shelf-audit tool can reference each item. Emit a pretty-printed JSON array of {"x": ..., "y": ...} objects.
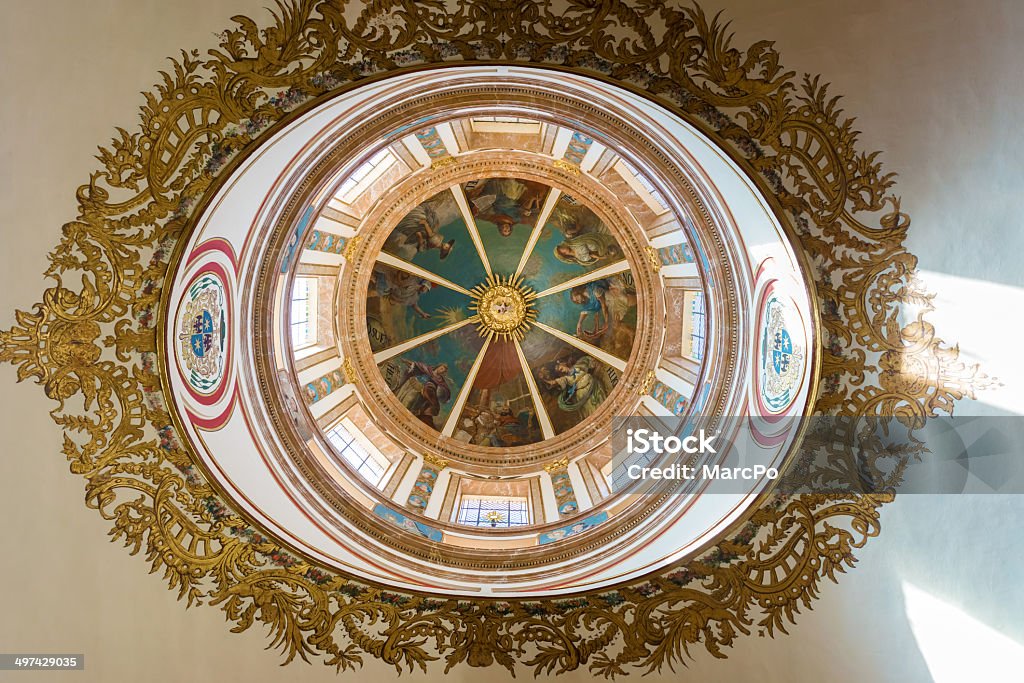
[
  {"x": 510, "y": 288},
  {"x": 405, "y": 360}
]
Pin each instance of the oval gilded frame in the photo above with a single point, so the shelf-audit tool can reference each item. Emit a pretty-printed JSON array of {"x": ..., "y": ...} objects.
[{"x": 95, "y": 348}]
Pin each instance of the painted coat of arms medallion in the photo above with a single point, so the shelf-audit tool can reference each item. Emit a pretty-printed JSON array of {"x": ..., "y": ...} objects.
[
  {"x": 202, "y": 333},
  {"x": 782, "y": 355}
]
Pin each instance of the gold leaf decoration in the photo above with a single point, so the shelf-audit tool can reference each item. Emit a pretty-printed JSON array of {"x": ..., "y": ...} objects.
[{"x": 111, "y": 264}]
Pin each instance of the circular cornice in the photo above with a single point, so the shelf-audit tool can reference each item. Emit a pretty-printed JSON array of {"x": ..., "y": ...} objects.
[
  {"x": 319, "y": 489},
  {"x": 395, "y": 203},
  {"x": 481, "y": 460}
]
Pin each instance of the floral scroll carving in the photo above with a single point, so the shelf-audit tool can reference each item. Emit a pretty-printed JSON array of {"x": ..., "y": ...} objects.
[{"x": 92, "y": 341}]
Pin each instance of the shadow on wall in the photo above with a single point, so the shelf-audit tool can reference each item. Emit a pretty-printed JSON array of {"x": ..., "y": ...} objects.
[
  {"x": 936, "y": 597},
  {"x": 939, "y": 588}
]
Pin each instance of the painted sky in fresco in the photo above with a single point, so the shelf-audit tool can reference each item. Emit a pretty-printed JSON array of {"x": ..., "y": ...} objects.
[
  {"x": 514, "y": 205},
  {"x": 427, "y": 232},
  {"x": 611, "y": 326},
  {"x": 392, "y": 299},
  {"x": 501, "y": 410},
  {"x": 457, "y": 350},
  {"x": 572, "y": 383},
  {"x": 574, "y": 241}
]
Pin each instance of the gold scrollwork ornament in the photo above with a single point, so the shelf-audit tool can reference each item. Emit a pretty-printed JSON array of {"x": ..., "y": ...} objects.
[{"x": 205, "y": 112}]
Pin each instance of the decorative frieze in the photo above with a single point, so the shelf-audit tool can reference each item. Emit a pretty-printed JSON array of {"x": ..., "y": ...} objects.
[
  {"x": 323, "y": 386},
  {"x": 326, "y": 242},
  {"x": 670, "y": 398},
  {"x": 423, "y": 488},
  {"x": 676, "y": 254},
  {"x": 579, "y": 145},
  {"x": 432, "y": 143},
  {"x": 565, "y": 495}
]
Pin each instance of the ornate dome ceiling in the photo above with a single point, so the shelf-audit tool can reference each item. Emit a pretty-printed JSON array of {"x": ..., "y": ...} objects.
[
  {"x": 362, "y": 297},
  {"x": 512, "y": 291},
  {"x": 450, "y": 302}
]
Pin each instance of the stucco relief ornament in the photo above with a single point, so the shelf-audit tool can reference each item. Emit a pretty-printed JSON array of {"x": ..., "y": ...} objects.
[
  {"x": 205, "y": 114},
  {"x": 504, "y": 306},
  {"x": 202, "y": 332}
]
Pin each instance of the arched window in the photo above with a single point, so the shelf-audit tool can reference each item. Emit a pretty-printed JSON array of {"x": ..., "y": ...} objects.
[
  {"x": 368, "y": 464},
  {"x": 303, "y": 321}
]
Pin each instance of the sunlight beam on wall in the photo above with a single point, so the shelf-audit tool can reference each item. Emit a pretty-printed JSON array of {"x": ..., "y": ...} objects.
[{"x": 957, "y": 647}]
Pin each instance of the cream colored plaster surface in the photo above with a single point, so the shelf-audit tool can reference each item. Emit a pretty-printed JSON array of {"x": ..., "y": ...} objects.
[{"x": 937, "y": 85}]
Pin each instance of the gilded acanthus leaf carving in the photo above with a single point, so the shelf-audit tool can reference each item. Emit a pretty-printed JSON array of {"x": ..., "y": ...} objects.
[{"x": 111, "y": 263}]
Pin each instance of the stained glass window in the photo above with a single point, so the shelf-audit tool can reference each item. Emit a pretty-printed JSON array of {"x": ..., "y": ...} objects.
[{"x": 494, "y": 511}]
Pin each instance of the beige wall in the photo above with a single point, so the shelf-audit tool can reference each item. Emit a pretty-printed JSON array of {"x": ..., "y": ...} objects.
[{"x": 937, "y": 85}]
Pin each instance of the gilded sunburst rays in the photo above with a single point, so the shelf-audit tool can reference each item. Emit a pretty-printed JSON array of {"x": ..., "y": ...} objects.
[{"x": 505, "y": 306}]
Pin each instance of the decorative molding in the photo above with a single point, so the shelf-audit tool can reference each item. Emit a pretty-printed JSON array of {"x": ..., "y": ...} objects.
[
  {"x": 646, "y": 384},
  {"x": 426, "y": 481},
  {"x": 434, "y": 146},
  {"x": 392, "y": 416},
  {"x": 556, "y": 466},
  {"x": 579, "y": 145},
  {"x": 654, "y": 259},
  {"x": 316, "y": 270},
  {"x": 451, "y": 495},
  {"x": 350, "y": 372},
  {"x": 675, "y": 254},
  {"x": 399, "y": 474},
  {"x": 567, "y": 166},
  {"x": 350, "y": 247},
  {"x": 434, "y": 461},
  {"x": 442, "y": 162},
  {"x": 323, "y": 386},
  {"x": 565, "y": 493},
  {"x": 328, "y": 242},
  {"x": 668, "y": 397},
  {"x": 308, "y": 361}
]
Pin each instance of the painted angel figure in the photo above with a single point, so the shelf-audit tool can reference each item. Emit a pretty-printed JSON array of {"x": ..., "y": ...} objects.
[
  {"x": 579, "y": 390},
  {"x": 573, "y": 219},
  {"x": 401, "y": 289},
  {"x": 591, "y": 298},
  {"x": 505, "y": 202},
  {"x": 588, "y": 249},
  {"x": 418, "y": 232}
]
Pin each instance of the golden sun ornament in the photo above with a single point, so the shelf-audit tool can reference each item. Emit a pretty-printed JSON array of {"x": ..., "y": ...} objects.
[
  {"x": 494, "y": 517},
  {"x": 504, "y": 306}
]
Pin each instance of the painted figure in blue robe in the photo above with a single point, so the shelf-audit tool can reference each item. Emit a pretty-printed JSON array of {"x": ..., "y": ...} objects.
[{"x": 592, "y": 302}]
